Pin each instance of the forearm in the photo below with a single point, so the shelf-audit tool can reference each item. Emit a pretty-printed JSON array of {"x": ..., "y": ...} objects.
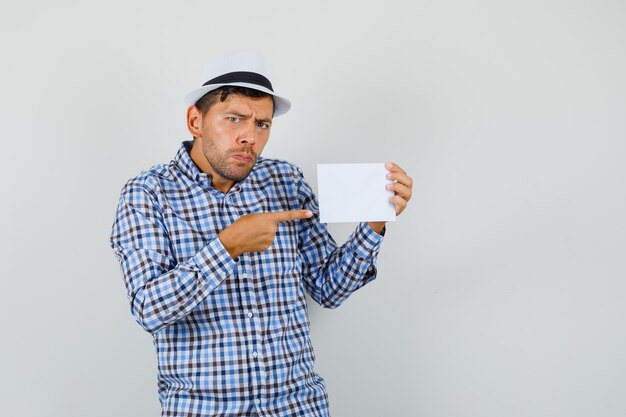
[
  {"x": 345, "y": 269},
  {"x": 160, "y": 295}
]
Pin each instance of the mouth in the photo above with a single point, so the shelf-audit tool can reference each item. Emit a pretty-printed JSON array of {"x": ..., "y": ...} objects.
[{"x": 243, "y": 157}]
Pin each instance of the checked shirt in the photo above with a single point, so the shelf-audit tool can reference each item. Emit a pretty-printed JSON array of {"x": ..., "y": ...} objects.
[{"x": 232, "y": 337}]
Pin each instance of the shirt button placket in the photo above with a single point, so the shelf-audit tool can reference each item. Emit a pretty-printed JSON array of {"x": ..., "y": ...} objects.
[{"x": 254, "y": 337}]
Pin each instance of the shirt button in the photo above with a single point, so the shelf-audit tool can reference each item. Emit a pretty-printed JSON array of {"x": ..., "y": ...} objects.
[
  {"x": 245, "y": 275},
  {"x": 255, "y": 354},
  {"x": 250, "y": 314},
  {"x": 257, "y": 401}
]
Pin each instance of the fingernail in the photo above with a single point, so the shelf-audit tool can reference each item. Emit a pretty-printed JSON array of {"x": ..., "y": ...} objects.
[
  {"x": 388, "y": 165},
  {"x": 309, "y": 213}
]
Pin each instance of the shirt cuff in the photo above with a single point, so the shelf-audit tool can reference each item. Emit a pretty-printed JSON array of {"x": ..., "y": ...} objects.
[
  {"x": 214, "y": 262},
  {"x": 366, "y": 242}
]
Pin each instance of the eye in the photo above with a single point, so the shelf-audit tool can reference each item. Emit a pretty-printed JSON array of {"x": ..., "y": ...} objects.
[
  {"x": 263, "y": 125},
  {"x": 233, "y": 119}
]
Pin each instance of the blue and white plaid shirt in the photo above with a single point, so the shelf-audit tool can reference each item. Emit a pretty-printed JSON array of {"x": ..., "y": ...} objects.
[{"x": 232, "y": 337}]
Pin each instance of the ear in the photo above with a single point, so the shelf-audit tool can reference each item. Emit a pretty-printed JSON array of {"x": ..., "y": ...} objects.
[{"x": 194, "y": 121}]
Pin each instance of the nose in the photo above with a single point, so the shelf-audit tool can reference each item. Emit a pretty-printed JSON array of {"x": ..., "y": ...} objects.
[{"x": 248, "y": 134}]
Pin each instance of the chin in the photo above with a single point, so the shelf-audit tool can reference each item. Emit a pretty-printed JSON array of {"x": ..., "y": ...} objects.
[{"x": 239, "y": 176}]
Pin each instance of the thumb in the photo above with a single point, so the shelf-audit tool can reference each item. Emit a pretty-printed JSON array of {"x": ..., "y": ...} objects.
[{"x": 285, "y": 216}]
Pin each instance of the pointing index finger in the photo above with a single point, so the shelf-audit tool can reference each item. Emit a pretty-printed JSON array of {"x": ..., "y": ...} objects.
[{"x": 285, "y": 216}]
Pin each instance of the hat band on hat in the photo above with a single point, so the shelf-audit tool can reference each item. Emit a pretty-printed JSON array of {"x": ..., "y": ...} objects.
[{"x": 241, "y": 77}]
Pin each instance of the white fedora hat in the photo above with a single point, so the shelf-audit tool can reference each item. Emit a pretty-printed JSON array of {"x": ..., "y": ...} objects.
[{"x": 242, "y": 69}]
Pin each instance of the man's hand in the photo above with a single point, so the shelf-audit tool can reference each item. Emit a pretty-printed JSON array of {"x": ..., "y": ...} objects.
[
  {"x": 256, "y": 232},
  {"x": 402, "y": 188}
]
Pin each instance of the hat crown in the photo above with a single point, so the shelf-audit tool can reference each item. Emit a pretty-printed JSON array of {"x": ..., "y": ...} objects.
[
  {"x": 235, "y": 62},
  {"x": 240, "y": 69}
]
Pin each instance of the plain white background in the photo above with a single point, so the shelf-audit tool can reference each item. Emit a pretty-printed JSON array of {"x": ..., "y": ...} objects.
[{"x": 500, "y": 289}]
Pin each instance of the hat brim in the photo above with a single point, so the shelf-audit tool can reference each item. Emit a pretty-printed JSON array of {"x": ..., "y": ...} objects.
[{"x": 281, "y": 104}]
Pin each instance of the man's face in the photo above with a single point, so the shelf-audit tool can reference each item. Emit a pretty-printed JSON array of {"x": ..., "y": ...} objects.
[{"x": 233, "y": 134}]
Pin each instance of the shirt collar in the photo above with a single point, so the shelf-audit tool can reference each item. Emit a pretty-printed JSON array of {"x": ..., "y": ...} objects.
[{"x": 185, "y": 163}]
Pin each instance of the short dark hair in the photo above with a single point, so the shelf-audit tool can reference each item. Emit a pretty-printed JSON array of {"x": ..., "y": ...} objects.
[{"x": 209, "y": 99}]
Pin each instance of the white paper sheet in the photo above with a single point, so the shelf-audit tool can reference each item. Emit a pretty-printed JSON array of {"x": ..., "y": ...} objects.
[{"x": 354, "y": 193}]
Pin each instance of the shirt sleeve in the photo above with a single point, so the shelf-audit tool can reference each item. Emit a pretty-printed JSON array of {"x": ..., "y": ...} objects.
[
  {"x": 332, "y": 273},
  {"x": 160, "y": 290}
]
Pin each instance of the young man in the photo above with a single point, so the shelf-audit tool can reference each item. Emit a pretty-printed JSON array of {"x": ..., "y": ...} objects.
[{"x": 218, "y": 248}]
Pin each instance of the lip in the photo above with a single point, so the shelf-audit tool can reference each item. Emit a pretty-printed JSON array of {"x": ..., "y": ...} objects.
[{"x": 242, "y": 157}]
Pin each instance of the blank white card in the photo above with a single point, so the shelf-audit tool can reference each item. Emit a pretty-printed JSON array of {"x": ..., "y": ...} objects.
[{"x": 354, "y": 193}]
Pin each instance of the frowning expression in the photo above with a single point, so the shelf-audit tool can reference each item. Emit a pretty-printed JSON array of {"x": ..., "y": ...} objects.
[{"x": 232, "y": 135}]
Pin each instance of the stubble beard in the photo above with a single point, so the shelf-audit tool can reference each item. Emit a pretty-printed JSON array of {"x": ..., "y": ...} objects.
[{"x": 221, "y": 166}]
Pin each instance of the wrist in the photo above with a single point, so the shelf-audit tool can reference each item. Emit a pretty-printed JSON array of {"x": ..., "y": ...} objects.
[
  {"x": 228, "y": 244},
  {"x": 377, "y": 226}
]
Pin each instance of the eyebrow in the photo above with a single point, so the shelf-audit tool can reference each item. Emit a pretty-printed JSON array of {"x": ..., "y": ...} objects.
[{"x": 247, "y": 116}]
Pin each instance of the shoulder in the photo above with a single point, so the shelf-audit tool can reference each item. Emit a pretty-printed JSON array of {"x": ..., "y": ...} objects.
[
  {"x": 148, "y": 182},
  {"x": 281, "y": 175},
  {"x": 277, "y": 167}
]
